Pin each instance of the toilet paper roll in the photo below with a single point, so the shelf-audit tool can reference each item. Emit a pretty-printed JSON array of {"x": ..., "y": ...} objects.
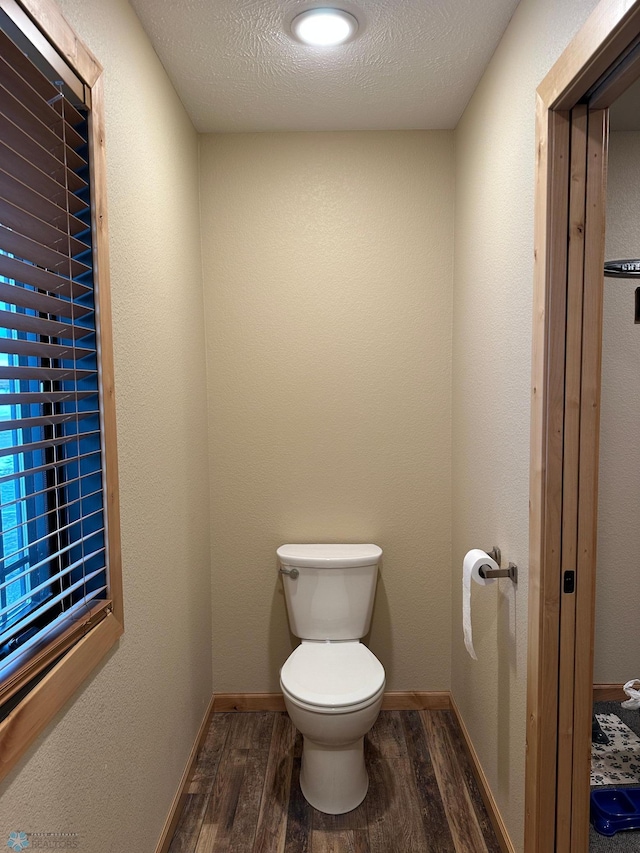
[{"x": 471, "y": 569}]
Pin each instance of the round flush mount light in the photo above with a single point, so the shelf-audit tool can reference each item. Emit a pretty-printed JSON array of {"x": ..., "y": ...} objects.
[{"x": 324, "y": 27}]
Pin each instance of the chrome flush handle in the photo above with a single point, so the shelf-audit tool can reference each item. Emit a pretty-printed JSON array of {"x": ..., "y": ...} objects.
[{"x": 293, "y": 573}]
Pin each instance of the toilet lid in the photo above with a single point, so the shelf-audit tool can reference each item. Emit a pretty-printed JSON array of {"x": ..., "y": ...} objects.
[{"x": 332, "y": 674}]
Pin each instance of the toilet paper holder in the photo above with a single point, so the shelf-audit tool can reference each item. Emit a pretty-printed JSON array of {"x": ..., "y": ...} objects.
[{"x": 511, "y": 572}]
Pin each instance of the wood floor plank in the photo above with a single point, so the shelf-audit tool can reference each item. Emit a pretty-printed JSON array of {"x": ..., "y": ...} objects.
[
  {"x": 459, "y": 746},
  {"x": 465, "y": 830},
  {"x": 355, "y": 819},
  {"x": 206, "y": 840},
  {"x": 221, "y": 809},
  {"x": 241, "y": 835},
  {"x": 299, "y": 815},
  {"x": 387, "y": 735},
  {"x": 272, "y": 819},
  {"x": 211, "y": 750},
  {"x": 347, "y": 832},
  {"x": 434, "y": 817},
  {"x": 251, "y": 730},
  {"x": 199, "y": 792},
  {"x": 189, "y": 825},
  {"x": 340, "y": 841},
  {"x": 393, "y": 809}
]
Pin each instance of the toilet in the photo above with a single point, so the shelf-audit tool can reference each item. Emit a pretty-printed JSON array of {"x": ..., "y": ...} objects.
[{"x": 332, "y": 683}]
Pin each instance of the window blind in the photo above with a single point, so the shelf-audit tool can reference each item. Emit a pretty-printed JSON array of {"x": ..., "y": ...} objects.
[{"x": 53, "y": 575}]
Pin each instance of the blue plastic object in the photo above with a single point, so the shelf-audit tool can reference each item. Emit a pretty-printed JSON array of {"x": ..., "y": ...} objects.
[{"x": 613, "y": 809}]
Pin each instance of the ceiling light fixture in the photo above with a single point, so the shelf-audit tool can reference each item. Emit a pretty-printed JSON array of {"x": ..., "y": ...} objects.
[{"x": 324, "y": 27}]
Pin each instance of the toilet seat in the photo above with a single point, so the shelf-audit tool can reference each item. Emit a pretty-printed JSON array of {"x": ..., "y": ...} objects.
[{"x": 336, "y": 677}]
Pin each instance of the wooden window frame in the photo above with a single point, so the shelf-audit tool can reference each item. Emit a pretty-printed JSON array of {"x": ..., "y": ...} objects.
[
  {"x": 571, "y": 162},
  {"x": 73, "y": 658}
]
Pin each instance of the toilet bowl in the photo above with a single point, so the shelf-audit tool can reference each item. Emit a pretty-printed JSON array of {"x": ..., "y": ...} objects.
[
  {"x": 332, "y": 683},
  {"x": 333, "y": 694}
]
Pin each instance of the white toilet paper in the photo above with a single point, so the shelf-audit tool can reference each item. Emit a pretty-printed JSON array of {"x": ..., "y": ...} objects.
[{"x": 471, "y": 569}]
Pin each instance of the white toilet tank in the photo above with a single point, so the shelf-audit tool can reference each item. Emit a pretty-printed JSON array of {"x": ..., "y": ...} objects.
[{"x": 331, "y": 597}]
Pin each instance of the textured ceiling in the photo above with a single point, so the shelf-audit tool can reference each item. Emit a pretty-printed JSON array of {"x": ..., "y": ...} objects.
[{"x": 414, "y": 63}]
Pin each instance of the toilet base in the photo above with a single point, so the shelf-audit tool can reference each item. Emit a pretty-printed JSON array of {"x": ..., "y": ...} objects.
[{"x": 334, "y": 780}]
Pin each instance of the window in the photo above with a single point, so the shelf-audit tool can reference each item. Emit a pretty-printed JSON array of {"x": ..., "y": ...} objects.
[{"x": 60, "y": 601}]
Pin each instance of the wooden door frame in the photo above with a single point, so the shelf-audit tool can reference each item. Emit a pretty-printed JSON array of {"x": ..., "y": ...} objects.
[{"x": 569, "y": 252}]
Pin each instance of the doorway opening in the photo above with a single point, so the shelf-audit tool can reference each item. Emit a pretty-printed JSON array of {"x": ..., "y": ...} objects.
[{"x": 572, "y": 149}]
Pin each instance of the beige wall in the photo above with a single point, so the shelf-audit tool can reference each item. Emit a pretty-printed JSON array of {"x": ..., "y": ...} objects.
[
  {"x": 109, "y": 765},
  {"x": 491, "y": 382},
  {"x": 618, "y": 576},
  {"x": 327, "y": 266}
]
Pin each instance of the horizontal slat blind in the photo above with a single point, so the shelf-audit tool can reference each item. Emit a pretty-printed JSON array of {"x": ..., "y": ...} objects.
[{"x": 52, "y": 554}]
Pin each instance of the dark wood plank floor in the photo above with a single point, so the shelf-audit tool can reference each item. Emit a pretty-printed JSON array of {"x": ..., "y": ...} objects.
[{"x": 245, "y": 796}]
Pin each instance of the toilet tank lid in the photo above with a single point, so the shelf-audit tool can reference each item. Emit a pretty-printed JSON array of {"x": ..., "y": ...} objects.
[{"x": 329, "y": 556}]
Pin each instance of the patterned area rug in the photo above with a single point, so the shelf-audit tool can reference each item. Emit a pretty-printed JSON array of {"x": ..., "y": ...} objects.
[{"x": 618, "y": 762}]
